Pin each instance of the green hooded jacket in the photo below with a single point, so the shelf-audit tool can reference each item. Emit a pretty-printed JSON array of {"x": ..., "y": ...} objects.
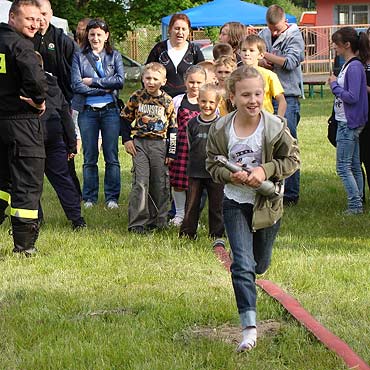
[{"x": 280, "y": 159}]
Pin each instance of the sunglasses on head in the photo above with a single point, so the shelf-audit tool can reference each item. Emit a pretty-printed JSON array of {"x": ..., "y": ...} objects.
[{"x": 96, "y": 23}]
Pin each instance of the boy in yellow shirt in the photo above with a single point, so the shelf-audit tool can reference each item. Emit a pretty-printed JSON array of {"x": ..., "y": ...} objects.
[{"x": 252, "y": 49}]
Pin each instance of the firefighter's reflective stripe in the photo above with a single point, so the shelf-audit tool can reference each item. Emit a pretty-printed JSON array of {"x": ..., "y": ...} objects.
[
  {"x": 24, "y": 213},
  {"x": 2, "y": 63},
  {"x": 5, "y": 196}
]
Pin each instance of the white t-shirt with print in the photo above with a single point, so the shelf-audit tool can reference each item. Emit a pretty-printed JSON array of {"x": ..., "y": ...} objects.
[
  {"x": 338, "y": 102},
  {"x": 247, "y": 151}
]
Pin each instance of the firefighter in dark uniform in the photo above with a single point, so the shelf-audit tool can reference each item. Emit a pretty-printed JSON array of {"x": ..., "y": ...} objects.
[{"x": 22, "y": 95}]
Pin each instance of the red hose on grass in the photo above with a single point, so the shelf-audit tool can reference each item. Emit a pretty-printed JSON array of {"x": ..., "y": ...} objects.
[{"x": 331, "y": 341}]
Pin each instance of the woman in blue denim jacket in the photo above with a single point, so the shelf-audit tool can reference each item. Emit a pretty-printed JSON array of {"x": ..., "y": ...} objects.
[
  {"x": 351, "y": 113},
  {"x": 97, "y": 75}
]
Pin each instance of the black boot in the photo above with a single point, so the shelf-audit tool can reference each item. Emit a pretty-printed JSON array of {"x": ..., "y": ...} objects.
[
  {"x": 79, "y": 224},
  {"x": 25, "y": 236},
  {"x": 3, "y": 207},
  {"x": 2, "y": 217}
]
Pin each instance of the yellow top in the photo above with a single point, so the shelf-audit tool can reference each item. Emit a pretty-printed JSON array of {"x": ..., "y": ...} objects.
[{"x": 272, "y": 87}]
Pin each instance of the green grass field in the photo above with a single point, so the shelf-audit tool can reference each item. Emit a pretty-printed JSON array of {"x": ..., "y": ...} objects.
[{"x": 106, "y": 299}]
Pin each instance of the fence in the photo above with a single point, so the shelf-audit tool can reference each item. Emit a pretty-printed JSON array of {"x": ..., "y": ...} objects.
[
  {"x": 318, "y": 56},
  {"x": 138, "y": 43},
  {"x": 318, "y": 52}
]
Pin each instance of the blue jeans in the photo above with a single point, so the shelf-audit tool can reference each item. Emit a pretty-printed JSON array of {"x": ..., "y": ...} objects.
[
  {"x": 349, "y": 165},
  {"x": 293, "y": 117},
  {"x": 108, "y": 122},
  {"x": 251, "y": 255}
]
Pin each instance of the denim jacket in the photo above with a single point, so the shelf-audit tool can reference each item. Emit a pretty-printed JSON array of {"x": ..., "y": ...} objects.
[
  {"x": 280, "y": 159},
  {"x": 113, "y": 80}
]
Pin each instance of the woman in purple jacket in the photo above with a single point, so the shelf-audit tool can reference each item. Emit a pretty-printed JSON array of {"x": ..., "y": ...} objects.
[{"x": 351, "y": 111}]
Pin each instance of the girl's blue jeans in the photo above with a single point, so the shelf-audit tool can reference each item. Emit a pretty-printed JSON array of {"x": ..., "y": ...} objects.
[
  {"x": 251, "y": 254},
  {"x": 349, "y": 165}
]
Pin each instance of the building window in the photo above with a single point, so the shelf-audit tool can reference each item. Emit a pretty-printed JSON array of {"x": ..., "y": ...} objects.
[
  {"x": 353, "y": 14},
  {"x": 343, "y": 14},
  {"x": 360, "y": 14}
]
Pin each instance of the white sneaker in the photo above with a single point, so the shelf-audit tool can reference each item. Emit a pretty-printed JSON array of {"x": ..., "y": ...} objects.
[
  {"x": 112, "y": 204},
  {"x": 88, "y": 204},
  {"x": 176, "y": 221},
  {"x": 249, "y": 340}
]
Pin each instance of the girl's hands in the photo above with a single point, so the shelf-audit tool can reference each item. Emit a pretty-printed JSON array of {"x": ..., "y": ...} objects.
[
  {"x": 253, "y": 178},
  {"x": 332, "y": 78}
]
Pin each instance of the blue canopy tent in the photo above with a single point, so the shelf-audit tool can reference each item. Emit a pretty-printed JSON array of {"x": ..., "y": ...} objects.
[{"x": 218, "y": 12}]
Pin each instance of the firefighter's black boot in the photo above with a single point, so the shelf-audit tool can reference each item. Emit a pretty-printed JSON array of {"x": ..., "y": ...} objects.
[
  {"x": 25, "y": 236},
  {"x": 3, "y": 207},
  {"x": 2, "y": 217}
]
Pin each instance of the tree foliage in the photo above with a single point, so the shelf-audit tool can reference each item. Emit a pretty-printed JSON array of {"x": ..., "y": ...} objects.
[
  {"x": 113, "y": 12},
  {"x": 144, "y": 12},
  {"x": 121, "y": 15},
  {"x": 126, "y": 15}
]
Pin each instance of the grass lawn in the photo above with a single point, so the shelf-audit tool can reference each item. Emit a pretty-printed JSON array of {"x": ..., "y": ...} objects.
[{"x": 106, "y": 299}]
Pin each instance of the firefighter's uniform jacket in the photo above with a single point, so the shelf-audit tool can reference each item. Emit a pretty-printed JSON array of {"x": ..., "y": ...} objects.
[{"x": 21, "y": 139}]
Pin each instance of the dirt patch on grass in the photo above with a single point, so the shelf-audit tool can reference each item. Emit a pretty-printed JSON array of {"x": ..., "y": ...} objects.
[{"x": 232, "y": 334}]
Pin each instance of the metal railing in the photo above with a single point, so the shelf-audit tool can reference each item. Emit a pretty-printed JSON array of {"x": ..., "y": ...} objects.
[{"x": 318, "y": 53}]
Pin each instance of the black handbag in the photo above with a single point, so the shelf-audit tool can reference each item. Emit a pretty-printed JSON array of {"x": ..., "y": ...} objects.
[{"x": 332, "y": 129}]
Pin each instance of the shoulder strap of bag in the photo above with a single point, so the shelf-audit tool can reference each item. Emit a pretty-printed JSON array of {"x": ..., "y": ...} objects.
[
  {"x": 91, "y": 60},
  {"x": 349, "y": 61}
]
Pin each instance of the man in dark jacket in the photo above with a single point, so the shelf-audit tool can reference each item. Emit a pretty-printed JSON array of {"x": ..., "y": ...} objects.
[
  {"x": 22, "y": 95},
  {"x": 60, "y": 146},
  {"x": 57, "y": 50}
]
